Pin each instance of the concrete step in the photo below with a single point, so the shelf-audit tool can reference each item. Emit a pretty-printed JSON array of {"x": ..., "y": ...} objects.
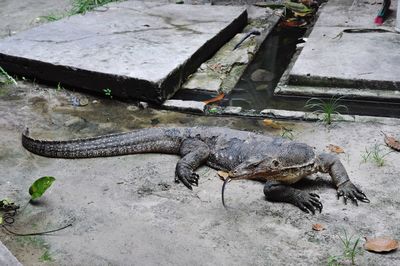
[
  {"x": 135, "y": 49},
  {"x": 347, "y": 54}
]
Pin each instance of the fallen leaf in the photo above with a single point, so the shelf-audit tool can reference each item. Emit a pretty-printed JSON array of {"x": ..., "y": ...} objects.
[
  {"x": 381, "y": 244},
  {"x": 223, "y": 175},
  {"x": 293, "y": 23},
  {"x": 272, "y": 123},
  {"x": 334, "y": 148},
  {"x": 318, "y": 227},
  {"x": 215, "y": 99},
  {"x": 392, "y": 142},
  {"x": 38, "y": 187},
  {"x": 298, "y": 7}
]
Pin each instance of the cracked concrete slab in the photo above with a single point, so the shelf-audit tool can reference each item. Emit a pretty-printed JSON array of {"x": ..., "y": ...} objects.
[
  {"x": 365, "y": 62},
  {"x": 141, "y": 50}
]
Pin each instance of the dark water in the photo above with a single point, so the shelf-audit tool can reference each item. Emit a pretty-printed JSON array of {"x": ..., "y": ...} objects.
[{"x": 274, "y": 56}]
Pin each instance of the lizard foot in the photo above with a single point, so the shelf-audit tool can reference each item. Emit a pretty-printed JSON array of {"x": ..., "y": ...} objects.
[
  {"x": 348, "y": 190},
  {"x": 188, "y": 178},
  {"x": 307, "y": 202}
]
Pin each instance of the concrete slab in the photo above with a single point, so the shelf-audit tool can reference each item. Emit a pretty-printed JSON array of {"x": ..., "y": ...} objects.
[
  {"x": 339, "y": 13},
  {"x": 366, "y": 62},
  {"x": 354, "y": 60},
  {"x": 141, "y": 50},
  {"x": 6, "y": 258}
]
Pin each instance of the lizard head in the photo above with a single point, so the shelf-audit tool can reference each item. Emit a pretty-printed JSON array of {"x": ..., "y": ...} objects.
[
  {"x": 254, "y": 167},
  {"x": 288, "y": 163}
]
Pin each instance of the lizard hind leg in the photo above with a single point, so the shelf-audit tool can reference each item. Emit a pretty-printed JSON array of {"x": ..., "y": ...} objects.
[
  {"x": 275, "y": 191},
  {"x": 194, "y": 153}
]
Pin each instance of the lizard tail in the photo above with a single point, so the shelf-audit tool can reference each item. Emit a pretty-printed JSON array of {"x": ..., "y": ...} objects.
[{"x": 140, "y": 141}]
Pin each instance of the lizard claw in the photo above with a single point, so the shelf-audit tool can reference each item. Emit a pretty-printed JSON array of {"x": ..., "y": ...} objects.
[
  {"x": 193, "y": 179},
  {"x": 188, "y": 178},
  {"x": 348, "y": 190},
  {"x": 308, "y": 202}
]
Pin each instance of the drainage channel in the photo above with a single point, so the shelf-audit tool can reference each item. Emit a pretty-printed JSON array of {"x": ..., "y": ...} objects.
[{"x": 255, "y": 90}]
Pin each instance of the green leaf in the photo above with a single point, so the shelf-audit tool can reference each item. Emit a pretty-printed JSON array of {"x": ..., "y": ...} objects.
[
  {"x": 1, "y": 220},
  {"x": 40, "y": 186},
  {"x": 298, "y": 7}
]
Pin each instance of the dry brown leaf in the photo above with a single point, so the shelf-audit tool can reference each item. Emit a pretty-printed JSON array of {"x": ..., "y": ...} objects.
[
  {"x": 318, "y": 227},
  {"x": 215, "y": 99},
  {"x": 392, "y": 142},
  {"x": 272, "y": 123},
  {"x": 381, "y": 244},
  {"x": 335, "y": 149},
  {"x": 223, "y": 175}
]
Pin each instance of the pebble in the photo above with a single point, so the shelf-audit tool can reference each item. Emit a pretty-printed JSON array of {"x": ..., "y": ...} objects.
[
  {"x": 262, "y": 75},
  {"x": 132, "y": 108},
  {"x": 143, "y": 105},
  {"x": 232, "y": 110}
]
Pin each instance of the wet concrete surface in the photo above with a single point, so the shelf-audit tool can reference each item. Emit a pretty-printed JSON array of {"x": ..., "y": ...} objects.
[{"x": 127, "y": 210}]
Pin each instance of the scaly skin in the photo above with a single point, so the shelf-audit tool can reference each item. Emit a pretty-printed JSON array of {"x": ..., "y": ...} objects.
[{"x": 246, "y": 155}]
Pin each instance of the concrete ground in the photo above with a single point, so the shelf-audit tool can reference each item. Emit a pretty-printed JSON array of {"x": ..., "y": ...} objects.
[{"x": 128, "y": 211}]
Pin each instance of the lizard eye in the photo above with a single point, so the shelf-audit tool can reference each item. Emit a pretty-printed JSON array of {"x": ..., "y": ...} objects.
[{"x": 275, "y": 163}]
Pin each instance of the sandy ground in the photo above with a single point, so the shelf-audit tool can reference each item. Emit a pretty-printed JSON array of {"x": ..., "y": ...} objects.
[{"x": 128, "y": 211}]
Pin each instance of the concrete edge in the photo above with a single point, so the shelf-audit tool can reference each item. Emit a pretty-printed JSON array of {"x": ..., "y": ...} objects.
[
  {"x": 318, "y": 81},
  {"x": 364, "y": 94},
  {"x": 7, "y": 258},
  {"x": 273, "y": 18},
  {"x": 285, "y": 88},
  {"x": 81, "y": 79},
  {"x": 205, "y": 52}
]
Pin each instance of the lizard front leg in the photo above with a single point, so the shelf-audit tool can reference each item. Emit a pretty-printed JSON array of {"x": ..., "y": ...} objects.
[
  {"x": 276, "y": 191},
  {"x": 194, "y": 152},
  {"x": 328, "y": 163}
]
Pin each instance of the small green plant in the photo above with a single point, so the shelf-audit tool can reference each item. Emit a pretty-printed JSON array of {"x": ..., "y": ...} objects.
[
  {"x": 327, "y": 108},
  {"x": 52, "y": 17},
  {"x": 7, "y": 79},
  {"x": 78, "y": 7},
  {"x": 46, "y": 257},
  {"x": 287, "y": 133},
  {"x": 333, "y": 261},
  {"x": 59, "y": 87},
  {"x": 375, "y": 154},
  {"x": 108, "y": 92},
  {"x": 8, "y": 208},
  {"x": 83, "y": 6},
  {"x": 350, "y": 250}
]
